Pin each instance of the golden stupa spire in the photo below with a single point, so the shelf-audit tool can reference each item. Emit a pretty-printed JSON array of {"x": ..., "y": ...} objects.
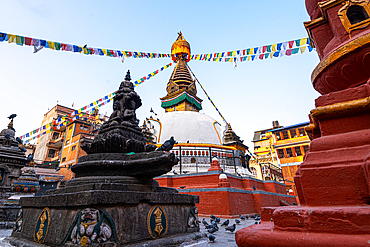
[
  {"x": 180, "y": 49},
  {"x": 181, "y": 89}
]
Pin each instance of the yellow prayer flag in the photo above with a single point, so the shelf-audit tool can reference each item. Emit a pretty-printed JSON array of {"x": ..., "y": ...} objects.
[
  {"x": 234, "y": 53},
  {"x": 94, "y": 103},
  {"x": 273, "y": 48},
  {"x": 251, "y": 52},
  {"x": 110, "y": 95},
  {"x": 303, "y": 49},
  {"x": 303, "y": 41},
  {"x": 51, "y": 45},
  {"x": 11, "y": 38},
  {"x": 271, "y": 54},
  {"x": 97, "y": 117},
  {"x": 249, "y": 58},
  {"x": 105, "y": 51},
  {"x": 79, "y": 110},
  {"x": 81, "y": 115},
  {"x": 48, "y": 131}
]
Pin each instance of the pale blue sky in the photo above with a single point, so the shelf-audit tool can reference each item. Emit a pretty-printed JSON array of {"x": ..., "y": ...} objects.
[{"x": 250, "y": 97}]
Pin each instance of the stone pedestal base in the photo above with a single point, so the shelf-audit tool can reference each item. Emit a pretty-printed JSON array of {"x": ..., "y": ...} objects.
[
  {"x": 309, "y": 226},
  {"x": 130, "y": 216}
]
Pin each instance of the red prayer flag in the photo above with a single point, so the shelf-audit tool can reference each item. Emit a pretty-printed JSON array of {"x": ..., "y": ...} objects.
[
  {"x": 261, "y": 56},
  {"x": 27, "y": 41},
  {"x": 291, "y": 43},
  {"x": 264, "y": 49},
  {"x": 289, "y": 52},
  {"x": 64, "y": 46}
]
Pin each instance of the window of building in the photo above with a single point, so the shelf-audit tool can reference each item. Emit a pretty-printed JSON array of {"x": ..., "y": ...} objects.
[
  {"x": 281, "y": 153},
  {"x": 285, "y": 134},
  {"x": 301, "y": 132},
  {"x": 254, "y": 171},
  {"x": 356, "y": 14},
  {"x": 289, "y": 152},
  {"x": 82, "y": 127},
  {"x": 278, "y": 137},
  {"x": 74, "y": 147},
  {"x": 305, "y": 148},
  {"x": 293, "y": 133},
  {"x": 55, "y": 135},
  {"x": 51, "y": 153},
  {"x": 67, "y": 142},
  {"x": 64, "y": 159},
  {"x": 192, "y": 160},
  {"x": 297, "y": 151}
]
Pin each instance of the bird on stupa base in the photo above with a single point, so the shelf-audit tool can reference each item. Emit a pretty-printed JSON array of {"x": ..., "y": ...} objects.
[{"x": 167, "y": 145}]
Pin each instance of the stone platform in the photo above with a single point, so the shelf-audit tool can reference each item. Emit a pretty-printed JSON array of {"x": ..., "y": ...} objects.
[{"x": 131, "y": 216}]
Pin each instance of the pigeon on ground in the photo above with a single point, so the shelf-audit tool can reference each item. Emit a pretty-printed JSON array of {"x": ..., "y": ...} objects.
[
  {"x": 218, "y": 220},
  {"x": 167, "y": 145},
  {"x": 182, "y": 187},
  {"x": 204, "y": 222},
  {"x": 209, "y": 226},
  {"x": 247, "y": 216},
  {"x": 174, "y": 172},
  {"x": 213, "y": 230},
  {"x": 242, "y": 217},
  {"x": 211, "y": 237},
  {"x": 258, "y": 217},
  {"x": 252, "y": 216},
  {"x": 226, "y": 223},
  {"x": 214, "y": 224},
  {"x": 213, "y": 217},
  {"x": 256, "y": 223},
  {"x": 185, "y": 172},
  {"x": 231, "y": 228},
  {"x": 237, "y": 221}
]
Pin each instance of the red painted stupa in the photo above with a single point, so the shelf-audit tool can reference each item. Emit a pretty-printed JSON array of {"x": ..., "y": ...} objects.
[{"x": 333, "y": 182}]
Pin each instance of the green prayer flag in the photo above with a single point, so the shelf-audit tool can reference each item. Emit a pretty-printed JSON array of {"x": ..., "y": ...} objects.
[
  {"x": 57, "y": 46},
  {"x": 298, "y": 42},
  {"x": 269, "y": 48},
  {"x": 295, "y": 51}
]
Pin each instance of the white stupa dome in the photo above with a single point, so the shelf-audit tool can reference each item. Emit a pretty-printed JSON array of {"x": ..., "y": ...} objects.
[
  {"x": 222, "y": 176},
  {"x": 188, "y": 126}
]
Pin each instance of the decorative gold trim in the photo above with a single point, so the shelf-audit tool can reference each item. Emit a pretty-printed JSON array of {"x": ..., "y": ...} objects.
[
  {"x": 342, "y": 13},
  {"x": 45, "y": 211},
  {"x": 159, "y": 227},
  {"x": 336, "y": 109},
  {"x": 214, "y": 126},
  {"x": 329, "y": 3},
  {"x": 160, "y": 128},
  {"x": 337, "y": 54}
]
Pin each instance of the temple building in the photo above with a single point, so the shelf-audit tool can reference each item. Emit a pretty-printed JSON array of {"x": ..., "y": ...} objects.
[
  {"x": 213, "y": 163},
  {"x": 199, "y": 137}
]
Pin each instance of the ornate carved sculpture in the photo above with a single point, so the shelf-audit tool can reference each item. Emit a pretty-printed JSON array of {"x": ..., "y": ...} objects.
[
  {"x": 121, "y": 133},
  {"x": 193, "y": 217},
  {"x": 92, "y": 226}
]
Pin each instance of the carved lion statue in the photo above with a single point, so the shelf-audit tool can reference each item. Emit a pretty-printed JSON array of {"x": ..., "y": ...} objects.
[{"x": 90, "y": 228}]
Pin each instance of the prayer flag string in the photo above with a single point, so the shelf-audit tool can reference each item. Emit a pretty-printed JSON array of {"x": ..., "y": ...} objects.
[
  {"x": 142, "y": 79},
  {"x": 209, "y": 98},
  {"x": 63, "y": 121},
  {"x": 59, "y": 46},
  {"x": 287, "y": 48}
]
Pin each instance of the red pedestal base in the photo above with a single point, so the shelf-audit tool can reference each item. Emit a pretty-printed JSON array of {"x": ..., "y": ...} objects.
[{"x": 309, "y": 226}]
